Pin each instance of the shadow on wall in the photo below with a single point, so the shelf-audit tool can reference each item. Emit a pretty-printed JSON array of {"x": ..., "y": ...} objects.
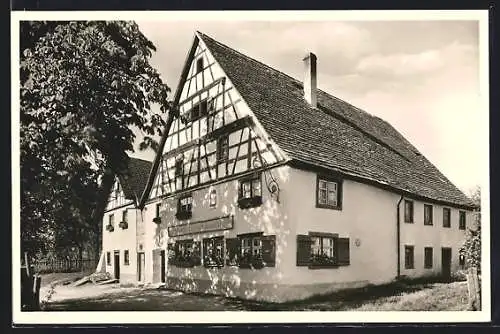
[{"x": 252, "y": 283}]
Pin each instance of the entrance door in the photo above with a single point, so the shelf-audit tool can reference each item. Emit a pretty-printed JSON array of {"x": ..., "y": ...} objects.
[
  {"x": 162, "y": 255},
  {"x": 446, "y": 262},
  {"x": 141, "y": 263},
  {"x": 117, "y": 264}
]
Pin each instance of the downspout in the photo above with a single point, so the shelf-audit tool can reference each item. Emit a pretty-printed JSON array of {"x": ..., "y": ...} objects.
[{"x": 398, "y": 238}]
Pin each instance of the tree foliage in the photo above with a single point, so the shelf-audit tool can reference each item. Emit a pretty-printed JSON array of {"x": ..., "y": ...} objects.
[
  {"x": 83, "y": 85},
  {"x": 471, "y": 248}
]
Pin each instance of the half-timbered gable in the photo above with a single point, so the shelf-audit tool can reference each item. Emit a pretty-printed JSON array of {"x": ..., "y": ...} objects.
[{"x": 216, "y": 136}]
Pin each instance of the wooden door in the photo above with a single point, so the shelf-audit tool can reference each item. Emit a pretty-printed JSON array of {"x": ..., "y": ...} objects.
[
  {"x": 141, "y": 263},
  {"x": 117, "y": 264},
  {"x": 162, "y": 256},
  {"x": 446, "y": 262}
]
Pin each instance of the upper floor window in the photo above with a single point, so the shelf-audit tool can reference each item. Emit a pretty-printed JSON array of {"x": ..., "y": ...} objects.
[
  {"x": 213, "y": 198},
  {"x": 111, "y": 223},
  {"x": 222, "y": 149},
  {"x": 446, "y": 217},
  {"x": 184, "y": 207},
  {"x": 199, "y": 110},
  {"x": 199, "y": 65},
  {"x": 179, "y": 164},
  {"x": 157, "y": 211},
  {"x": 427, "y": 214},
  {"x": 328, "y": 193},
  {"x": 250, "y": 192},
  {"x": 408, "y": 211},
  {"x": 124, "y": 216},
  {"x": 461, "y": 223}
]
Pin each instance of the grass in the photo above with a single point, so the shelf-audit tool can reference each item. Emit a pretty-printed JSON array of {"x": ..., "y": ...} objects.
[{"x": 397, "y": 296}]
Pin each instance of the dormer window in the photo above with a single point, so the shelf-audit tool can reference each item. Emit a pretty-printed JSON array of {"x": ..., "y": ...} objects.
[{"x": 199, "y": 65}]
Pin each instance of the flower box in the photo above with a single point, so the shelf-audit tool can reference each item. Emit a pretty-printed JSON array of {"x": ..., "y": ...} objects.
[
  {"x": 123, "y": 225},
  {"x": 245, "y": 203},
  {"x": 157, "y": 220},
  {"x": 110, "y": 228}
]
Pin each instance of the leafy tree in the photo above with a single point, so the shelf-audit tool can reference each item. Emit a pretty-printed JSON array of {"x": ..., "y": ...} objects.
[
  {"x": 471, "y": 248},
  {"x": 83, "y": 86}
]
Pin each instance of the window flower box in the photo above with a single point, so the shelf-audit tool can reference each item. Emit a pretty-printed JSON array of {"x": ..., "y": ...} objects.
[
  {"x": 123, "y": 225},
  {"x": 157, "y": 220},
  {"x": 252, "y": 202},
  {"x": 183, "y": 215},
  {"x": 110, "y": 228},
  {"x": 251, "y": 262}
]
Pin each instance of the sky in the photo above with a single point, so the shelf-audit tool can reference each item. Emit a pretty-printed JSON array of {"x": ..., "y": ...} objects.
[{"x": 420, "y": 76}]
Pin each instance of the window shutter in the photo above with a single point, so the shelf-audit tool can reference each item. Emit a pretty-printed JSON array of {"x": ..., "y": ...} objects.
[
  {"x": 303, "y": 250},
  {"x": 232, "y": 251},
  {"x": 343, "y": 251},
  {"x": 269, "y": 250},
  {"x": 196, "y": 253},
  {"x": 171, "y": 254}
]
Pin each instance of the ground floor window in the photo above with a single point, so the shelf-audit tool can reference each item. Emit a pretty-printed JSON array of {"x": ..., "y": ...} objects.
[
  {"x": 428, "y": 257},
  {"x": 409, "y": 257},
  {"x": 187, "y": 253},
  {"x": 213, "y": 252},
  {"x": 108, "y": 258},
  {"x": 253, "y": 250},
  {"x": 126, "y": 258},
  {"x": 322, "y": 250}
]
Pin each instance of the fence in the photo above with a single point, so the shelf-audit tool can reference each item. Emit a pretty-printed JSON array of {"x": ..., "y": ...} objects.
[{"x": 64, "y": 266}]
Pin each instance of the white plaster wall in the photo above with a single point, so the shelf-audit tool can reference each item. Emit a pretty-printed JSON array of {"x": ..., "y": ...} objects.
[
  {"x": 368, "y": 214},
  {"x": 435, "y": 236},
  {"x": 152, "y": 239},
  {"x": 121, "y": 240}
]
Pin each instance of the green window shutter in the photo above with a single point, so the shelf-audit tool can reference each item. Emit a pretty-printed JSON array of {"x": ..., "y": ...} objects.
[
  {"x": 196, "y": 253},
  {"x": 303, "y": 250},
  {"x": 343, "y": 256},
  {"x": 232, "y": 251},
  {"x": 269, "y": 250}
]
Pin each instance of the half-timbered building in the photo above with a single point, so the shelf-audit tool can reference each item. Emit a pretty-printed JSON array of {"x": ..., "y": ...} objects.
[{"x": 267, "y": 187}]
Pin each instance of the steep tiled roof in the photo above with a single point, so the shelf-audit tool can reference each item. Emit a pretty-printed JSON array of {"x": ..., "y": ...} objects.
[
  {"x": 336, "y": 135},
  {"x": 134, "y": 180}
]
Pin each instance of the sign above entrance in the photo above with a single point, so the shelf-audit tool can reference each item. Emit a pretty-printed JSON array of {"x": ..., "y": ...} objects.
[{"x": 217, "y": 224}]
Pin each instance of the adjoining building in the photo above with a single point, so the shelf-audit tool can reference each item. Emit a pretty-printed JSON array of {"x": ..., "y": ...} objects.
[{"x": 266, "y": 187}]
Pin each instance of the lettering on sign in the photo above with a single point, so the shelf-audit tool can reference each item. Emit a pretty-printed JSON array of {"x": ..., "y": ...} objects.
[{"x": 217, "y": 224}]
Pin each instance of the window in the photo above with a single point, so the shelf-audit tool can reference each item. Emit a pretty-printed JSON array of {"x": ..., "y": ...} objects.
[
  {"x": 187, "y": 253},
  {"x": 213, "y": 198},
  {"x": 461, "y": 260},
  {"x": 253, "y": 250},
  {"x": 108, "y": 258},
  {"x": 250, "y": 192},
  {"x": 222, "y": 149},
  {"x": 427, "y": 214},
  {"x": 158, "y": 208},
  {"x": 328, "y": 193},
  {"x": 409, "y": 257},
  {"x": 322, "y": 250},
  {"x": 199, "y": 110},
  {"x": 184, "y": 207},
  {"x": 123, "y": 223},
  {"x": 461, "y": 223},
  {"x": 408, "y": 211},
  {"x": 126, "y": 259},
  {"x": 111, "y": 223},
  {"x": 199, "y": 65},
  {"x": 213, "y": 252},
  {"x": 428, "y": 257},
  {"x": 179, "y": 163},
  {"x": 124, "y": 216},
  {"x": 446, "y": 217}
]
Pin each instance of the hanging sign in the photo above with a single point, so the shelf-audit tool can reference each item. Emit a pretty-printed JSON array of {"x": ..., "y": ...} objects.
[{"x": 217, "y": 224}]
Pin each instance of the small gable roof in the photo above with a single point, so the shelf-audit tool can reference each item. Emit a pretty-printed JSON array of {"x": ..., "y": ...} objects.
[
  {"x": 336, "y": 135},
  {"x": 135, "y": 178}
]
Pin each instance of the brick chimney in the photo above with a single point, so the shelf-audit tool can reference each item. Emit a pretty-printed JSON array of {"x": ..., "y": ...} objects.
[{"x": 310, "y": 79}]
